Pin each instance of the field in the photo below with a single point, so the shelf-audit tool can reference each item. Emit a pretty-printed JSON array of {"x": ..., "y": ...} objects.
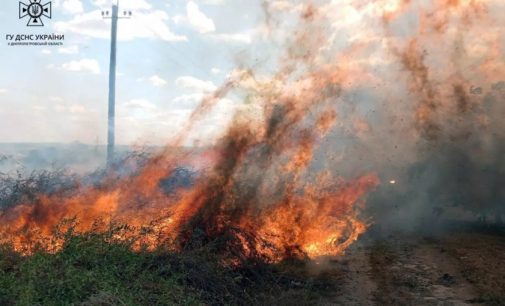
[
  {"x": 315, "y": 153},
  {"x": 434, "y": 260},
  {"x": 462, "y": 266}
]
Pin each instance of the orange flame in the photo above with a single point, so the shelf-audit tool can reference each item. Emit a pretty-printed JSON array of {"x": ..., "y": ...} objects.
[{"x": 260, "y": 185}]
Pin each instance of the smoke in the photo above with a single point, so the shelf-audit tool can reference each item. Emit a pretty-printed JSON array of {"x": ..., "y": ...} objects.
[
  {"x": 420, "y": 103},
  {"x": 391, "y": 91},
  {"x": 456, "y": 113}
]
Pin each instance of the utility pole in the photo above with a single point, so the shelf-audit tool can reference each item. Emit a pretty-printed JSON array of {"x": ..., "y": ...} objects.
[{"x": 111, "y": 123}]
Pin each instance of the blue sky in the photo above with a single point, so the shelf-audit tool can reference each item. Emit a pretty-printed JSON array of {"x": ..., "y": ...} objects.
[
  {"x": 173, "y": 52},
  {"x": 170, "y": 53}
]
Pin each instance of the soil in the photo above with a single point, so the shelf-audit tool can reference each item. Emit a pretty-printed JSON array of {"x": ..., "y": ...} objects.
[{"x": 459, "y": 267}]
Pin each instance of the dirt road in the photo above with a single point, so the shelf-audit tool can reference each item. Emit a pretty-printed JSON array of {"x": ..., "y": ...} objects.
[{"x": 459, "y": 268}]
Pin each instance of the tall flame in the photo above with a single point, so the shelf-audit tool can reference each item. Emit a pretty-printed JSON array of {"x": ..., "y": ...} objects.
[{"x": 263, "y": 185}]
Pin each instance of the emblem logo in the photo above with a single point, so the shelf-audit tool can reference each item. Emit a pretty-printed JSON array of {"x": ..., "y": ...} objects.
[{"x": 35, "y": 11}]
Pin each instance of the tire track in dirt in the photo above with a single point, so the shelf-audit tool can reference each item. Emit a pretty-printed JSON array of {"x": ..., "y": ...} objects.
[
  {"x": 417, "y": 271},
  {"x": 461, "y": 266},
  {"x": 358, "y": 286}
]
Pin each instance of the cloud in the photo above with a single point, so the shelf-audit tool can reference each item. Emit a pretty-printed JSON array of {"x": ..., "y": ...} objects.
[
  {"x": 215, "y": 70},
  {"x": 46, "y": 51},
  {"x": 189, "y": 82},
  {"x": 86, "y": 64},
  {"x": 72, "y": 109},
  {"x": 140, "y": 109},
  {"x": 72, "y": 6},
  {"x": 214, "y": 2},
  {"x": 237, "y": 37},
  {"x": 188, "y": 101},
  {"x": 125, "y": 4},
  {"x": 284, "y": 5},
  {"x": 100, "y": 2},
  {"x": 140, "y": 104},
  {"x": 3, "y": 90},
  {"x": 144, "y": 24},
  {"x": 198, "y": 20},
  {"x": 69, "y": 50},
  {"x": 157, "y": 81},
  {"x": 198, "y": 90}
]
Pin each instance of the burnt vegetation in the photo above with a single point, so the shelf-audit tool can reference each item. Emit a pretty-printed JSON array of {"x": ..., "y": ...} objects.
[
  {"x": 243, "y": 231},
  {"x": 94, "y": 269},
  {"x": 98, "y": 268},
  {"x": 101, "y": 267}
]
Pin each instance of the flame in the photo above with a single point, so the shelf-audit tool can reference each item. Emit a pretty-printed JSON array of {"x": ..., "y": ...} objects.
[
  {"x": 315, "y": 219},
  {"x": 259, "y": 185}
]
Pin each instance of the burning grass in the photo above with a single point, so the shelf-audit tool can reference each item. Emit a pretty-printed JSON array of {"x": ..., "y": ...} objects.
[
  {"x": 19, "y": 188},
  {"x": 266, "y": 182},
  {"x": 99, "y": 269},
  {"x": 257, "y": 187},
  {"x": 264, "y": 192},
  {"x": 106, "y": 262},
  {"x": 196, "y": 209}
]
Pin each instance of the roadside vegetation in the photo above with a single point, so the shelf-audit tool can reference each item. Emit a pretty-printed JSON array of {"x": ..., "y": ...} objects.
[{"x": 95, "y": 269}]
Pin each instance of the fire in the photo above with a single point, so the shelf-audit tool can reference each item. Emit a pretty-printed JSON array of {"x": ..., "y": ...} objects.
[
  {"x": 261, "y": 185},
  {"x": 313, "y": 219},
  {"x": 258, "y": 189}
]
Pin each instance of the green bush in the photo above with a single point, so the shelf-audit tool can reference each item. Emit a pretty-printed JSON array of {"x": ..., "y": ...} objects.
[{"x": 96, "y": 269}]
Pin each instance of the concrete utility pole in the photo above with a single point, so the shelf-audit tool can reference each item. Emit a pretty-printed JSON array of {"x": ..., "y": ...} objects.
[{"x": 112, "y": 79}]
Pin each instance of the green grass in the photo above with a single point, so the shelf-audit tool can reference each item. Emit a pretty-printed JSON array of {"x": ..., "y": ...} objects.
[
  {"x": 91, "y": 270},
  {"x": 94, "y": 269}
]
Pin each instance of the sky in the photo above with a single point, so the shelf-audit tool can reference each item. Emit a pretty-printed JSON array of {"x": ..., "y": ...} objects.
[{"x": 170, "y": 54}]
